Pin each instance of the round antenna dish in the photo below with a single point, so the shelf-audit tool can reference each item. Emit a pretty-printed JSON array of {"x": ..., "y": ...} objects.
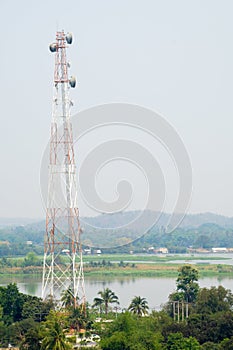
[
  {"x": 69, "y": 38},
  {"x": 72, "y": 82},
  {"x": 53, "y": 47}
]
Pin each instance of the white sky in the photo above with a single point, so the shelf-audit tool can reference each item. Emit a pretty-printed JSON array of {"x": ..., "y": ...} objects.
[{"x": 172, "y": 56}]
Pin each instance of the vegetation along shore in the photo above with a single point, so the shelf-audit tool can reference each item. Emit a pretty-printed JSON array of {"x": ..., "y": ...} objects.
[{"x": 124, "y": 265}]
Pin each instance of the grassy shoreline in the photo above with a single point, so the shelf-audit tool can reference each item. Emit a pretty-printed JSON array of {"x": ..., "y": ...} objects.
[
  {"x": 149, "y": 258},
  {"x": 134, "y": 266},
  {"x": 160, "y": 270},
  {"x": 129, "y": 273}
]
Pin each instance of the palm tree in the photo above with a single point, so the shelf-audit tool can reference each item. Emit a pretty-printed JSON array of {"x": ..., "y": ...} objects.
[
  {"x": 98, "y": 303},
  {"x": 79, "y": 317},
  {"x": 53, "y": 335},
  {"x": 67, "y": 298},
  {"x": 107, "y": 296},
  {"x": 138, "y": 306}
]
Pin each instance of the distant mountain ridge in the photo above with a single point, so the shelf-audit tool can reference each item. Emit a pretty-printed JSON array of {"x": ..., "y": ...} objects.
[
  {"x": 11, "y": 222},
  {"x": 122, "y": 229},
  {"x": 108, "y": 221},
  {"x": 196, "y": 220}
]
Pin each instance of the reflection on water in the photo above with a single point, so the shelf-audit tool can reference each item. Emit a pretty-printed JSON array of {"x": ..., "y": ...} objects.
[
  {"x": 154, "y": 289},
  {"x": 31, "y": 288}
]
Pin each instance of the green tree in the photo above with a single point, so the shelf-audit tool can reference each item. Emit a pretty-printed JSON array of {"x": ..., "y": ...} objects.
[
  {"x": 31, "y": 259},
  {"x": 33, "y": 308},
  {"x": 67, "y": 298},
  {"x": 118, "y": 341},
  {"x": 202, "y": 241},
  {"x": 210, "y": 346},
  {"x": 211, "y": 327},
  {"x": 98, "y": 304},
  {"x": 53, "y": 334},
  {"x": 31, "y": 339},
  {"x": 226, "y": 344},
  {"x": 213, "y": 300},
  {"x": 125, "y": 322},
  {"x": 107, "y": 296},
  {"x": 187, "y": 282},
  {"x": 145, "y": 339},
  {"x": 19, "y": 331},
  {"x": 12, "y": 302},
  {"x": 129, "y": 332},
  {"x": 139, "y": 306},
  {"x": 176, "y": 341},
  {"x": 49, "y": 304},
  {"x": 191, "y": 343},
  {"x": 80, "y": 317}
]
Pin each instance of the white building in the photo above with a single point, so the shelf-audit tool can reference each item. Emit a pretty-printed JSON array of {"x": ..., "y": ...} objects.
[{"x": 219, "y": 250}]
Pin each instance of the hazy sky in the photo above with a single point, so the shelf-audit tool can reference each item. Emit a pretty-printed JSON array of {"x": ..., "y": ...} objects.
[{"x": 175, "y": 57}]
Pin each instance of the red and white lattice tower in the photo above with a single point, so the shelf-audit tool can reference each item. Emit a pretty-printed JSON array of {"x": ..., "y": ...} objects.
[{"x": 63, "y": 266}]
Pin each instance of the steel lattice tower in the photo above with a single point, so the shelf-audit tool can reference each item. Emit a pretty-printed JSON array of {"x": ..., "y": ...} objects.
[{"x": 63, "y": 266}]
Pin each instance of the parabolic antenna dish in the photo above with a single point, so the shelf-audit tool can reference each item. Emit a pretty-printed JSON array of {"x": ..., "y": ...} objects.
[
  {"x": 53, "y": 47},
  {"x": 72, "y": 82},
  {"x": 69, "y": 38}
]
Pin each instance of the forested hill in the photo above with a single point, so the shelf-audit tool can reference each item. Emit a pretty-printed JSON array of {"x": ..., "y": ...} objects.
[
  {"x": 122, "y": 218},
  {"x": 11, "y": 222},
  {"x": 107, "y": 231}
]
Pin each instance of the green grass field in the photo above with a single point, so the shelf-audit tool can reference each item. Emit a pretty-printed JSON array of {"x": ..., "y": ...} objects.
[
  {"x": 134, "y": 265},
  {"x": 148, "y": 258}
]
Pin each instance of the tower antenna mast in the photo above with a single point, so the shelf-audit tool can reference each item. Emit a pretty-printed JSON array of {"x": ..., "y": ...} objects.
[{"x": 63, "y": 265}]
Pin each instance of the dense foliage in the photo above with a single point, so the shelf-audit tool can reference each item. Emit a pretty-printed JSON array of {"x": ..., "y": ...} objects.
[
  {"x": 208, "y": 325},
  {"x": 13, "y": 239},
  {"x": 33, "y": 324}
]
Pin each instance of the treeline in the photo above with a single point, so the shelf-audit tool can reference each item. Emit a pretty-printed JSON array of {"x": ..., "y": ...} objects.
[
  {"x": 20, "y": 316},
  {"x": 107, "y": 263},
  {"x": 30, "y": 260},
  {"x": 205, "y": 236},
  {"x": 20, "y": 249},
  {"x": 205, "y": 322},
  {"x": 13, "y": 241},
  {"x": 193, "y": 318}
]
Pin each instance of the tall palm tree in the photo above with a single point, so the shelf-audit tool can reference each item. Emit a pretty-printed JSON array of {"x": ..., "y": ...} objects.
[
  {"x": 98, "y": 303},
  {"x": 138, "y": 306},
  {"x": 67, "y": 298},
  {"x": 79, "y": 318},
  {"x": 107, "y": 296},
  {"x": 53, "y": 336}
]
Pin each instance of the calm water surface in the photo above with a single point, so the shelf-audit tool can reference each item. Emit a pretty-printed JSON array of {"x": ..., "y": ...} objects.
[{"x": 155, "y": 290}]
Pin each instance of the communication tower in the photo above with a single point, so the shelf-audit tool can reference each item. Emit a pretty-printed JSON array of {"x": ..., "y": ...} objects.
[{"x": 63, "y": 265}]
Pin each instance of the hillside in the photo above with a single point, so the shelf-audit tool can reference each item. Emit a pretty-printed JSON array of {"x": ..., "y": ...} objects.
[
  {"x": 107, "y": 221},
  {"x": 109, "y": 231}
]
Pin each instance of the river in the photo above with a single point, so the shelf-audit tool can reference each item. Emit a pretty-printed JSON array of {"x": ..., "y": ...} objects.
[{"x": 154, "y": 289}]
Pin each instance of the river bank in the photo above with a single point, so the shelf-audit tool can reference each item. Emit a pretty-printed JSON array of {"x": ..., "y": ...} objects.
[{"x": 135, "y": 265}]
